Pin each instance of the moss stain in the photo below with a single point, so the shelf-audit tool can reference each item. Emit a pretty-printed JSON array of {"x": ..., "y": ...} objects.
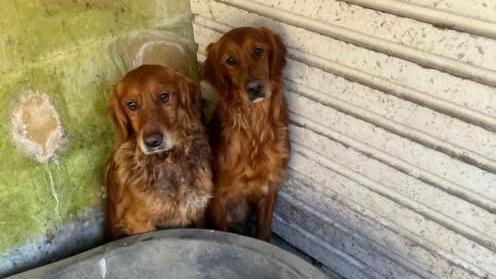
[{"x": 67, "y": 50}]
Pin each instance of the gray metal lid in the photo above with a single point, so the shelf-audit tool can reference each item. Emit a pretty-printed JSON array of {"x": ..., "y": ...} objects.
[{"x": 184, "y": 253}]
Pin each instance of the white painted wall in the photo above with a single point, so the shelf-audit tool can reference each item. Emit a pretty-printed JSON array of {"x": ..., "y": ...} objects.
[{"x": 393, "y": 129}]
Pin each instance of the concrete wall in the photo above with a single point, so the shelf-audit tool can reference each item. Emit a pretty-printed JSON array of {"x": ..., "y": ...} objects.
[
  {"x": 59, "y": 60},
  {"x": 393, "y": 121}
]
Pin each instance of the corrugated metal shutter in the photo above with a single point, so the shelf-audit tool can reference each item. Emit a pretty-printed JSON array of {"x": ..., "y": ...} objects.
[{"x": 393, "y": 120}]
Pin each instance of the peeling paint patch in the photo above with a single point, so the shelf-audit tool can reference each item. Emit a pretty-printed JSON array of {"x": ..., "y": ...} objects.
[{"x": 35, "y": 126}]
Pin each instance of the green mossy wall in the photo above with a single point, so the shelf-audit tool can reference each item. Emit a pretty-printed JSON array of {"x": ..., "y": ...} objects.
[{"x": 73, "y": 51}]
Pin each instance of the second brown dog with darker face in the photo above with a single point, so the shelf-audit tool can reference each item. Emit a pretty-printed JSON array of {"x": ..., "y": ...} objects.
[
  {"x": 249, "y": 129},
  {"x": 159, "y": 175}
]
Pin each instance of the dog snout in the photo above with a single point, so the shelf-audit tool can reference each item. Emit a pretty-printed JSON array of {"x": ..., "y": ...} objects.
[
  {"x": 255, "y": 89},
  {"x": 153, "y": 140}
]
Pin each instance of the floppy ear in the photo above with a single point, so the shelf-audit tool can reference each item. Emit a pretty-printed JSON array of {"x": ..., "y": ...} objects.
[
  {"x": 277, "y": 58},
  {"x": 119, "y": 118},
  {"x": 189, "y": 98},
  {"x": 211, "y": 72}
]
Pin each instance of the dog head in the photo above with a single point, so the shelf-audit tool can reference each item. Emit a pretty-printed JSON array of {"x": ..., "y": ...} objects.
[
  {"x": 243, "y": 63},
  {"x": 153, "y": 105}
]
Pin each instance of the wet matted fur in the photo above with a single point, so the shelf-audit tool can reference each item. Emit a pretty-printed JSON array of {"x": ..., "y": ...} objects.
[{"x": 159, "y": 175}]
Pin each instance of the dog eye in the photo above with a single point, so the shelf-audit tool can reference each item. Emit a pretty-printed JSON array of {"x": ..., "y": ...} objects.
[
  {"x": 164, "y": 97},
  {"x": 231, "y": 61},
  {"x": 132, "y": 105},
  {"x": 259, "y": 51}
]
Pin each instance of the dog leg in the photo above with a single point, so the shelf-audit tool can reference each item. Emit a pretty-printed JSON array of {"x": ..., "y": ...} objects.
[
  {"x": 199, "y": 223},
  {"x": 137, "y": 224},
  {"x": 217, "y": 214},
  {"x": 265, "y": 210}
]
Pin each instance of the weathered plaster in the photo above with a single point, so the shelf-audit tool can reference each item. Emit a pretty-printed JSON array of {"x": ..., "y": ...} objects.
[
  {"x": 392, "y": 121},
  {"x": 60, "y": 59}
]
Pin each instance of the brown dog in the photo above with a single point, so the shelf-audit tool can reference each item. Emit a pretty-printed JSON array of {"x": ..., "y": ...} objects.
[
  {"x": 249, "y": 128},
  {"x": 159, "y": 175}
]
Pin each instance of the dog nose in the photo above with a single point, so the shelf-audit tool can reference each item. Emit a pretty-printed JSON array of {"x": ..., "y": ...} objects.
[
  {"x": 254, "y": 89},
  {"x": 153, "y": 140}
]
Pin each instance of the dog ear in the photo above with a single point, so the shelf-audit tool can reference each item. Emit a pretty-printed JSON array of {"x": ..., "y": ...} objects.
[
  {"x": 119, "y": 118},
  {"x": 189, "y": 98},
  {"x": 211, "y": 73},
  {"x": 277, "y": 58}
]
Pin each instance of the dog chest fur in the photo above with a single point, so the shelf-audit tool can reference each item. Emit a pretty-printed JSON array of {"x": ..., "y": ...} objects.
[{"x": 171, "y": 190}]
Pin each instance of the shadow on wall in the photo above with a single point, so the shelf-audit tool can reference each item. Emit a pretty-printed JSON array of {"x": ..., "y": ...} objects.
[{"x": 59, "y": 62}]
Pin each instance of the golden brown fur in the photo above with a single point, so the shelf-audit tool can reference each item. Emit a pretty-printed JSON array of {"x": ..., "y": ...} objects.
[
  {"x": 159, "y": 175},
  {"x": 249, "y": 128}
]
